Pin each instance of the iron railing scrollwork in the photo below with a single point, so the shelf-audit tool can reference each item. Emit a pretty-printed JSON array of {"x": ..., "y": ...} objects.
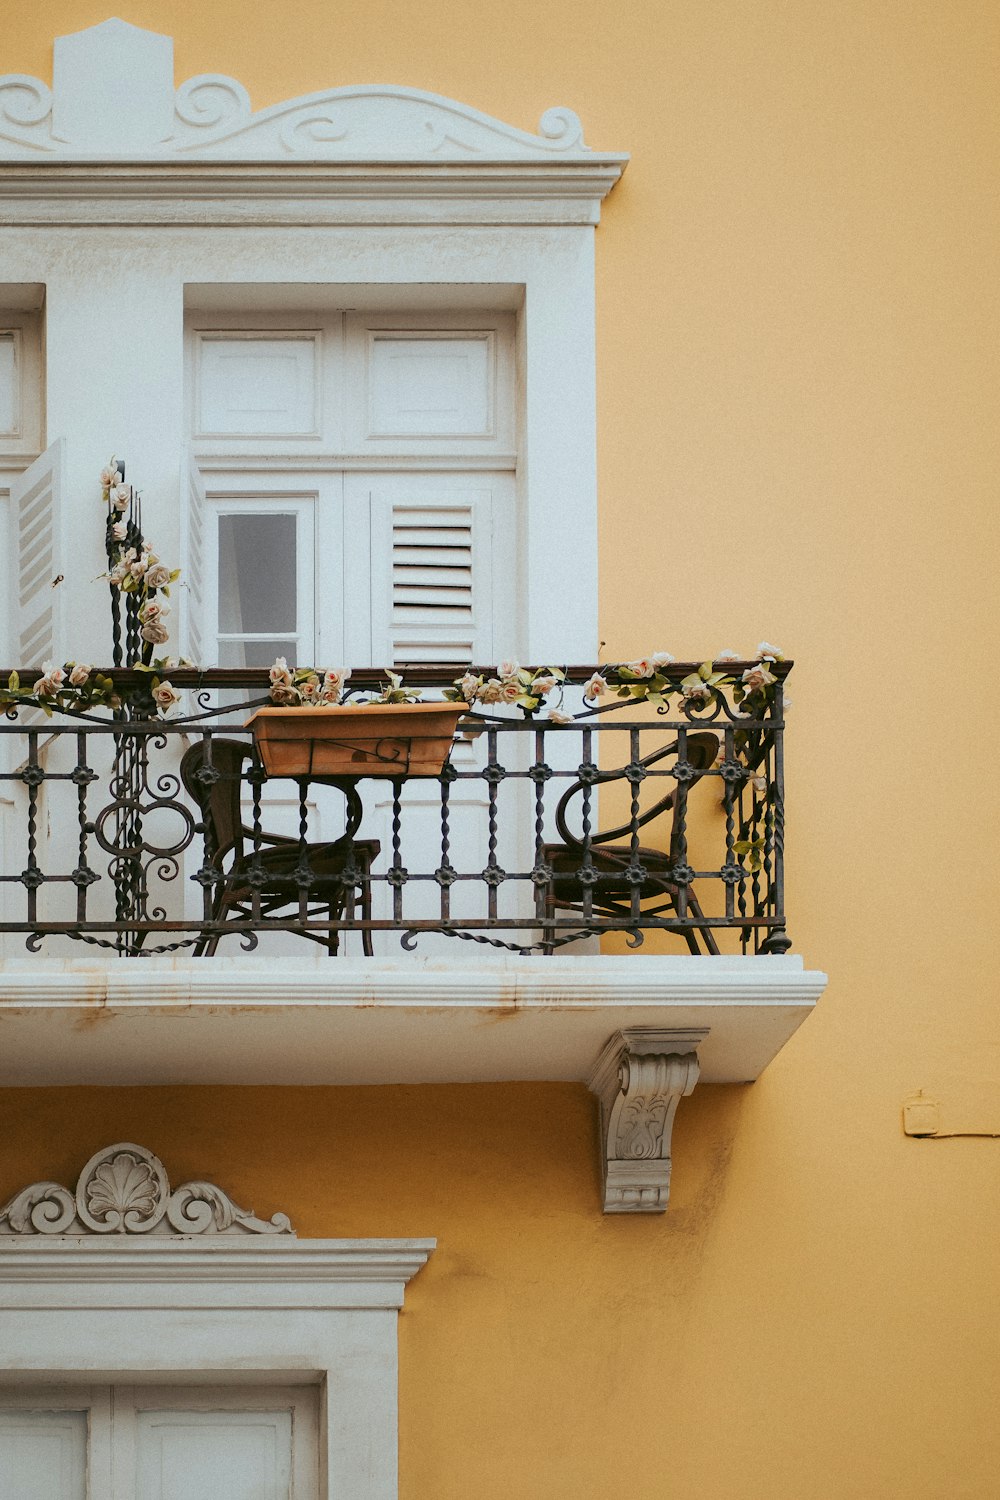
[{"x": 655, "y": 826}]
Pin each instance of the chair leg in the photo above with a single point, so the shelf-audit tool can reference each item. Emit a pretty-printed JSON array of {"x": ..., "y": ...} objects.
[
  {"x": 707, "y": 935},
  {"x": 367, "y": 945}
]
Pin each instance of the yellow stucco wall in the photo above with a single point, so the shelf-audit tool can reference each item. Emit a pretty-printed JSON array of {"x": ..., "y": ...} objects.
[{"x": 797, "y": 301}]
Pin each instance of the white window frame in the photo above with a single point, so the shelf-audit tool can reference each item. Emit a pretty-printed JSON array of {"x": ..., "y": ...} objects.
[
  {"x": 126, "y": 1309},
  {"x": 415, "y": 190}
]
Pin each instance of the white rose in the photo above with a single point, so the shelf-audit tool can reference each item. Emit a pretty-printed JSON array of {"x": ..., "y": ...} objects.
[
  {"x": 107, "y": 476},
  {"x": 79, "y": 675},
  {"x": 767, "y": 652},
  {"x": 555, "y": 717},
  {"x": 596, "y": 687},
  {"x": 642, "y": 668},
  {"x": 491, "y": 690},
  {"x": 508, "y": 669},
  {"x": 510, "y": 691},
  {"x": 158, "y": 576},
  {"x": 53, "y": 673},
  {"x": 334, "y": 679},
  {"x": 727, "y": 656},
  {"x": 543, "y": 685},
  {"x": 118, "y": 531},
  {"x": 662, "y": 658},
  {"x": 151, "y": 610},
  {"x": 165, "y": 696},
  {"x": 280, "y": 674},
  {"x": 757, "y": 677},
  {"x": 155, "y": 632},
  {"x": 468, "y": 687},
  {"x": 283, "y": 694},
  {"x": 696, "y": 692}
]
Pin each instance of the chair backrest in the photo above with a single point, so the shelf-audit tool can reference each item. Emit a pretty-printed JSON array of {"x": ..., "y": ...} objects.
[
  {"x": 700, "y": 750},
  {"x": 211, "y": 770}
]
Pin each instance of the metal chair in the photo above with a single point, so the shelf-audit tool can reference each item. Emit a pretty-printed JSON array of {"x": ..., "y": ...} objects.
[
  {"x": 611, "y": 870},
  {"x": 264, "y": 866}
]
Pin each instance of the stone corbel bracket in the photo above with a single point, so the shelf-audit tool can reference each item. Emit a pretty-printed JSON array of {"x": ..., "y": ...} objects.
[{"x": 640, "y": 1078}]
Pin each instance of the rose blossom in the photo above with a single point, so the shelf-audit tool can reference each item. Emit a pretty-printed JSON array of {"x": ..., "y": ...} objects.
[
  {"x": 727, "y": 656},
  {"x": 641, "y": 668},
  {"x": 696, "y": 692},
  {"x": 491, "y": 690},
  {"x": 662, "y": 658},
  {"x": 118, "y": 531},
  {"x": 543, "y": 685},
  {"x": 158, "y": 576},
  {"x": 279, "y": 673},
  {"x": 510, "y": 691},
  {"x": 155, "y": 632},
  {"x": 555, "y": 717},
  {"x": 108, "y": 476},
  {"x": 79, "y": 675},
  {"x": 767, "y": 652},
  {"x": 151, "y": 610},
  {"x": 468, "y": 686},
  {"x": 165, "y": 696},
  {"x": 596, "y": 687},
  {"x": 508, "y": 669},
  {"x": 284, "y": 694},
  {"x": 335, "y": 677},
  {"x": 757, "y": 677}
]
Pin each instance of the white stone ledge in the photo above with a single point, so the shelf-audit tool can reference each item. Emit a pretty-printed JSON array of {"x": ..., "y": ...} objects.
[{"x": 373, "y": 1021}]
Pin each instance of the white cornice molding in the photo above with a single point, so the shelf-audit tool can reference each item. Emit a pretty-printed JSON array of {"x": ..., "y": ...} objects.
[
  {"x": 409, "y": 1020},
  {"x": 113, "y": 128},
  {"x": 413, "y": 980},
  {"x": 331, "y": 1270}
]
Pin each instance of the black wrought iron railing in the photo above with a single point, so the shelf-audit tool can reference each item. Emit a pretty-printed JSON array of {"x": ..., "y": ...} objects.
[{"x": 662, "y": 823}]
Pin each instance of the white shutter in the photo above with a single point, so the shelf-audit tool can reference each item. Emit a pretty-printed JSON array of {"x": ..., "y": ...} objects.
[
  {"x": 432, "y": 574},
  {"x": 192, "y": 591},
  {"x": 36, "y": 498}
]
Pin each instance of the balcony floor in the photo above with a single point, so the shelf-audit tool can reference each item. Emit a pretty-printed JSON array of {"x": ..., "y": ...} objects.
[{"x": 376, "y": 1021}]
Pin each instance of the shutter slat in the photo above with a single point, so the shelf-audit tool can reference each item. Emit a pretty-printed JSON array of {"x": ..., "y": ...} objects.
[
  {"x": 36, "y": 496},
  {"x": 431, "y": 565}
]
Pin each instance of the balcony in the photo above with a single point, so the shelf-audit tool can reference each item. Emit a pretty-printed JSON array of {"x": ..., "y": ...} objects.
[
  {"x": 624, "y": 821},
  {"x": 172, "y": 913}
]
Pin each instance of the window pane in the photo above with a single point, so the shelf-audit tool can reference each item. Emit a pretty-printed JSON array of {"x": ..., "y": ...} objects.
[
  {"x": 258, "y": 653},
  {"x": 257, "y": 573}
]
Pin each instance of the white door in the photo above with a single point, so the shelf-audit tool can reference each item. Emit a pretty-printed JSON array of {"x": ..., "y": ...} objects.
[{"x": 159, "y": 1443}]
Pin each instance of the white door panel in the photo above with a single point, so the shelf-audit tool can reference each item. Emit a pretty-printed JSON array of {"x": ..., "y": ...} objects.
[
  {"x": 159, "y": 1443},
  {"x": 218, "y": 1455},
  {"x": 43, "y": 1455}
]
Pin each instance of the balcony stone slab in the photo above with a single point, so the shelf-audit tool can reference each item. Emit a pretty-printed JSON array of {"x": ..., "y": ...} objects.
[{"x": 411, "y": 1020}]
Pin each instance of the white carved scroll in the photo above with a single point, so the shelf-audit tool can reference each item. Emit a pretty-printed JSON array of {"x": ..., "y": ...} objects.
[
  {"x": 124, "y": 1189},
  {"x": 640, "y": 1078}
]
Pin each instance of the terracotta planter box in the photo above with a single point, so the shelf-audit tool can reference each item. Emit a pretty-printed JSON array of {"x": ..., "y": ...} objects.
[{"x": 386, "y": 739}]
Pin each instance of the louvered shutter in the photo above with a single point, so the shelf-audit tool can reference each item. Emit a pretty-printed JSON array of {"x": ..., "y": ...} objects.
[
  {"x": 432, "y": 577},
  {"x": 36, "y": 500},
  {"x": 192, "y": 591}
]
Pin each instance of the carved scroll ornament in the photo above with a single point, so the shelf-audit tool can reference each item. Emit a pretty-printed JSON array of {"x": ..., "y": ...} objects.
[
  {"x": 640, "y": 1078},
  {"x": 124, "y": 1190}
]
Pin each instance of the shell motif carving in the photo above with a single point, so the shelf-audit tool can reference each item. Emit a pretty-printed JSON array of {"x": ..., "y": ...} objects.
[{"x": 125, "y": 1190}]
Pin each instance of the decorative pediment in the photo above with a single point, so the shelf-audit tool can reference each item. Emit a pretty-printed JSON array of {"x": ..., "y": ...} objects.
[
  {"x": 124, "y": 1190},
  {"x": 113, "y": 98}
]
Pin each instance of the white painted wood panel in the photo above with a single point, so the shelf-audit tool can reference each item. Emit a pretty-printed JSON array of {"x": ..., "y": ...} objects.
[
  {"x": 10, "y": 382},
  {"x": 214, "y": 1455},
  {"x": 43, "y": 1455},
  {"x": 262, "y": 384},
  {"x": 431, "y": 384}
]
